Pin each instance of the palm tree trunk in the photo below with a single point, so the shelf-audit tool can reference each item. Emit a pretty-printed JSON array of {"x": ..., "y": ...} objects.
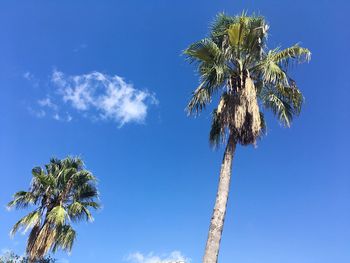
[{"x": 218, "y": 217}]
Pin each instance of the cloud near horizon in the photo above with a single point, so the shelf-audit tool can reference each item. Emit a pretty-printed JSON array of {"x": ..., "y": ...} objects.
[{"x": 173, "y": 257}]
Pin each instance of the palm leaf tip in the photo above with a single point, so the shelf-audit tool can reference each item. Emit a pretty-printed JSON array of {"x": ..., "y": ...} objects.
[
  {"x": 26, "y": 222},
  {"x": 295, "y": 52},
  {"x": 198, "y": 102}
]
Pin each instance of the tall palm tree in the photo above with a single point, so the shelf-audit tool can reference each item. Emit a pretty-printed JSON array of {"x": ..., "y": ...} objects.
[
  {"x": 61, "y": 193},
  {"x": 235, "y": 64}
]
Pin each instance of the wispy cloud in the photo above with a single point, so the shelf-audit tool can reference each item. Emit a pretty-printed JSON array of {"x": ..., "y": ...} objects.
[
  {"x": 39, "y": 113},
  {"x": 46, "y": 102},
  {"x": 30, "y": 77},
  {"x": 80, "y": 47},
  {"x": 173, "y": 257},
  {"x": 47, "y": 108},
  {"x": 103, "y": 97},
  {"x": 44, "y": 107}
]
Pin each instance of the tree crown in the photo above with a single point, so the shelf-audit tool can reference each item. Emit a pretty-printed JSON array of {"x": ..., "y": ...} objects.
[
  {"x": 61, "y": 193},
  {"x": 235, "y": 63}
]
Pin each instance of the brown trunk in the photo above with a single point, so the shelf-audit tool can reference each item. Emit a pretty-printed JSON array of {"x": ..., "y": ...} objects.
[{"x": 218, "y": 217}]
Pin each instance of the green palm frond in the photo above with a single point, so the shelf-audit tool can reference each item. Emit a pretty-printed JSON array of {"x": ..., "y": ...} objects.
[
  {"x": 67, "y": 174},
  {"x": 66, "y": 236},
  {"x": 41, "y": 179},
  {"x": 221, "y": 23},
  {"x": 213, "y": 75},
  {"x": 22, "y": 199},
  {"x": 27, "y": 222},
  {"x": 236, "y": 34},
  {"x": 204, "y": 50},
  {"x": 294, "y": 52},
  {"x": 86, "y": 192},
  {"x": 293, "y": 96},
  {"x": 72, "y": 162},
  {"x": 263, "y": 123},
  {"x": 279, "y": 107},
  {"x": 78, "y": 211},
  {"x": 200, "y": 98},
  {"x": 92, "y": 204},
  {"x": 209, "y": 58},
  {"x": 58, "y": 215},
  {"x": 82, "y": 177},
  {"x": 270, "y": 71}
]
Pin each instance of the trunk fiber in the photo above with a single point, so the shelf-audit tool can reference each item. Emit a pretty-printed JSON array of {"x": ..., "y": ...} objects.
[{"x": 218, "y": 217}]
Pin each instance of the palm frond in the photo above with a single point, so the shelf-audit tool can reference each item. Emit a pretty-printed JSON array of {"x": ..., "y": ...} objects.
[
  {"x": 294, "y": 52},
  {"x": 86, "y": 192},
  {"x": 58, "y": 215},
  {"x": 77, "y": 211},
  {"x": 282, "y": 109},
  {"x": 200, "y": 98},
  {"x": 204, "y": 50},
  {"x": 221, "y": 23},
  {"x": 293, "y": 96},
  {"x": 42, "y": 180},
  {"x": 263, "y": 123},
  {"x": 27, "y": 222},
  {"x": 81, "y": 178},
  {"x": 92, "y": 204},
  {"x": 213, "y": 75},
  {"x": 22, "y": 199},
  {"x": 65, "y": 238},
  {"x": 271, "y": 72}
]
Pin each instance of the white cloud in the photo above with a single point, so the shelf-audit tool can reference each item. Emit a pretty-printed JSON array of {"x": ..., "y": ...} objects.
[
  {"x": 173, "y": 257},
  {"x": 28, "y": 76},
  {"x": 62, "y": 117},
  {"x": 104, "y": 96},
  {"x": 46, "y": 102},
  {"x": 69, "y": 117},
  {"x": 31, "y": 78},
  {"x": 37, "y": 113},
  {"x": 56, "y": 117}
]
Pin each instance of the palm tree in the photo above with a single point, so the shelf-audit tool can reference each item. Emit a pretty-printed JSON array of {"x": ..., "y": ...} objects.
[
  {"x": 235, "y": 64},
  {"x": 62, "y": 193}
]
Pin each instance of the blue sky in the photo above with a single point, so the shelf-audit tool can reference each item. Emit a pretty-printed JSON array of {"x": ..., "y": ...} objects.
[{"x": 290, "y": 197}]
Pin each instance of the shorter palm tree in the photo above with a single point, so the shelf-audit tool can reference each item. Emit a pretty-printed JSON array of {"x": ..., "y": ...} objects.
[{"x": 62, "y": 193}]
